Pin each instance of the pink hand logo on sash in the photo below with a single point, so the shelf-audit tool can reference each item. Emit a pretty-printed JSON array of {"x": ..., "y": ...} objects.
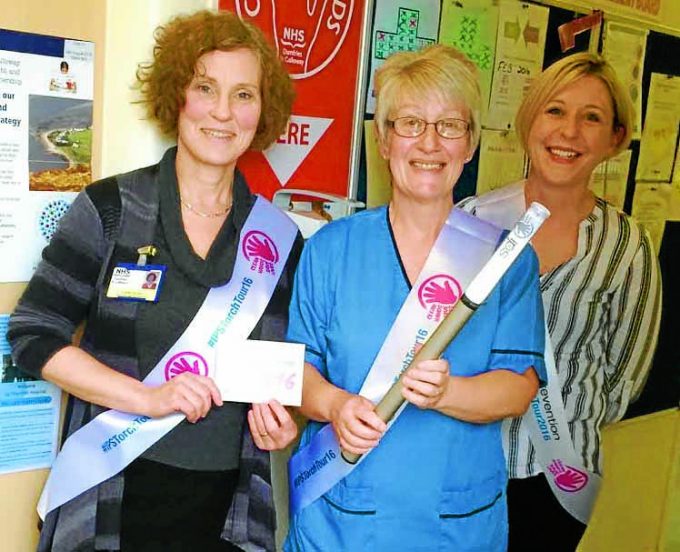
[
  {"x": 438, "y": 294},
  {"x": 568, "y": 478},
  {"x": 308, "y": 35},
  {"x": 259, "y": 248},
  {"x": 186, "y": 361}
]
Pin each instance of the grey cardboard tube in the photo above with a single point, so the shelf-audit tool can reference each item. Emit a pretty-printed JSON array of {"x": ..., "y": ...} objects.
[
  {"x": 477, "y": 292},
  {"x": 431, "y": 350}
]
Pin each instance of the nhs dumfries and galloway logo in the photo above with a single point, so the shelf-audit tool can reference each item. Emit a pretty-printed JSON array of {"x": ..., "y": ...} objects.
[
  {"x": 308, "y": 35},
  {"x": 186, "y": 361},
  {"x": 438, "y": 294},
  {"x": 567, "y": 478},
  {"x": 260, "y": 249}
]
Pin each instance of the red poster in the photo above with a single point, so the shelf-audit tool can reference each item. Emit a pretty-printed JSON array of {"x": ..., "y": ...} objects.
[{"x": 319, "y": 42}]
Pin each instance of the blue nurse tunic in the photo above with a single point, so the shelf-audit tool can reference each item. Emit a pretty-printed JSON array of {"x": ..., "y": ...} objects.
[{"x": 433, "y": 482}]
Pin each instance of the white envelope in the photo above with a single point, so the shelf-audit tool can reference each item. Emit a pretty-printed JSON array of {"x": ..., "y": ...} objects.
[{"x": 258, "y": 371}]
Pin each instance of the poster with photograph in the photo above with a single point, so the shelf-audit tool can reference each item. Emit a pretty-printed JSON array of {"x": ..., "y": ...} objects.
[
  {"x": 29, "y": 415},
  {"x": 46, "y": 91}
]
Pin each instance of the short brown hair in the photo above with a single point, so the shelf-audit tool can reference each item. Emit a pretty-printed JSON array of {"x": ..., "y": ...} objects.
[
  {"x": 438, "y": 69},
  {"x": 564, "y": 72},
  {"x": 178, "y": 46}
]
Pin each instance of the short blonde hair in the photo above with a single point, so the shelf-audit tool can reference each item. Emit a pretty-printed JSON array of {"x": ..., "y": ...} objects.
[
  {"x": 564, "y": 72},
  {"x": 179, "y": 45},
  {"x": 437, "y": 69}
]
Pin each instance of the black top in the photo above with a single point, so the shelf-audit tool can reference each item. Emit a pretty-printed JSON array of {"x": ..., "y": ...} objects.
[{"x": 212, "y": 443}]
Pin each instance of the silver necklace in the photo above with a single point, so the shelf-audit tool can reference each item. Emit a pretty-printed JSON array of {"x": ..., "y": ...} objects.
[{"x": 201, "y": 213}]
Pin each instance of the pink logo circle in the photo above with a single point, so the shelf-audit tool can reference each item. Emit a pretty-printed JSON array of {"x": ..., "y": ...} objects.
[
  {"x": 260, "y": 249},
  {"x": 568, "y": 478},
  {"x": 186, "y": 361},
  {"x": 438, "y": 294},
  {"x": 308, "y": 35}
]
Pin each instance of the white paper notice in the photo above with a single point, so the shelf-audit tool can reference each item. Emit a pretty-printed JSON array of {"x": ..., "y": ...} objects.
[
  {"x": 258, "y": 371},
  {"x": 519, "y": 58},
  {"x": 624, "y": 47},
  {"x": 660, "y": 132}
]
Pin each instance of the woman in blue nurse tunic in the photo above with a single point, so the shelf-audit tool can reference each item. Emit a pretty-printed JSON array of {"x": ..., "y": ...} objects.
[{"x": 435, "y": 480}]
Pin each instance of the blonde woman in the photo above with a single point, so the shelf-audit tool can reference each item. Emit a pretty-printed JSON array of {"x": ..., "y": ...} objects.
[
  {"x": 599, "y": 282},
  {"x": 436, "y": 479}
]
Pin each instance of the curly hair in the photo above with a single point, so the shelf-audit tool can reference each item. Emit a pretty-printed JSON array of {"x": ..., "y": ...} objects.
[{"x": 178, "y": 46}]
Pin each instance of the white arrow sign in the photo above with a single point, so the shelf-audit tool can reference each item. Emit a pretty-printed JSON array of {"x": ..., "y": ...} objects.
[{"x": 294, "y": 145}]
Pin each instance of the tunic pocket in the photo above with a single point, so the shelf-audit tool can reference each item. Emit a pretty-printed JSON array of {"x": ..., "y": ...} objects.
[
  {"x": 475, "y": 519},
  {"x": 342, "y": 519}
]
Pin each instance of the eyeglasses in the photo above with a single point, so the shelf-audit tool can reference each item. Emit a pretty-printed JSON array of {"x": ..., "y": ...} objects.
[{"x": 412, "y": 127}]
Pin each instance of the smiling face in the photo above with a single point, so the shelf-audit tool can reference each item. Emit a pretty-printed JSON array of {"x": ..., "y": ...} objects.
[
  {"x": 222, "y": 109},
  {"x": 572, "y": 134},
  {"x": 425, "y": 168}
]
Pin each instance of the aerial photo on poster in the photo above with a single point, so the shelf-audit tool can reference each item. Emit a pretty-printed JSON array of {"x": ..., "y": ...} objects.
[{"x": 59, "y": 144}]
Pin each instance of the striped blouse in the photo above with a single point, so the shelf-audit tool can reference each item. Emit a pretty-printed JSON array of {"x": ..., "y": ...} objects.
[{"x": 603, "y": 309}]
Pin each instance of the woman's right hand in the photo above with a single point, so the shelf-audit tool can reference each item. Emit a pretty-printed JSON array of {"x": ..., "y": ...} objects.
[
  {"x": 357, "y": 426},
  {"x": 191, "y": 394}
]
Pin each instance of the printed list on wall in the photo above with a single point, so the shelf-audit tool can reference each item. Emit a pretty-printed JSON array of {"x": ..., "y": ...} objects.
[{"x": 46, "y": 91}]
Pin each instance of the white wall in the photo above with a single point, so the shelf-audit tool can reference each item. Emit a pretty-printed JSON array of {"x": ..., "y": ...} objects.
[{"x": 129, "y": 141}]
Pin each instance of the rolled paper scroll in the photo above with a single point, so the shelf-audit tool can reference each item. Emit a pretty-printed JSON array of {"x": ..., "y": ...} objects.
[{"x": 479, "y": 289}]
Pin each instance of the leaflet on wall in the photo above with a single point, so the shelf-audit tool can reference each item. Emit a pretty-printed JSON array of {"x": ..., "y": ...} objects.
[
  {"x": 610, "y": 179},
  {"x": 520, "y": 44},
  {"x": 400, "y": 26},
  {"x": 29, "y": 415},
  {"x": 470, "y": 26},
  {"x": 624, "y": 47},
  {"x": 378, "y": 177},
  {"x": 319, "y": 44},
  {"x": 651, "y": 208},
  {"x": 501, "y": 160},
  {"x": 46, "y": 90},
  {"x": 660, "y": 132}
]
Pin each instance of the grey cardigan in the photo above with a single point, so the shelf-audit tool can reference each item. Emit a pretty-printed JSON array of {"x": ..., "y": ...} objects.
[{"x": 109, "y": 220}]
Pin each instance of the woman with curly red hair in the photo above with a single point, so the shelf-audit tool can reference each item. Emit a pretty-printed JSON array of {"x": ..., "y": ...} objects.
[{"x": 218, "y": 87}]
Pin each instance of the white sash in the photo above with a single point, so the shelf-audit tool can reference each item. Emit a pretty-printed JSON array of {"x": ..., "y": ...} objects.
[
  {"x": 546, "y": 421},
  {"x": 464, "y": 244},
  {"x": 574, "y": 486},
  {"x": 111, "y": 441}
]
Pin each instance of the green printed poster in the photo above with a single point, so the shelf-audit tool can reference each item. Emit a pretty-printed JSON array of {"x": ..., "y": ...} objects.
[{"x": 470, "y": 26}]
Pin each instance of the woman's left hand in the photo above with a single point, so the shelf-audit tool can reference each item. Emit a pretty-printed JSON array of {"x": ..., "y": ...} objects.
[
  {"x": 271, "y": 426},
  {"x": 425, "y": 384}
]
